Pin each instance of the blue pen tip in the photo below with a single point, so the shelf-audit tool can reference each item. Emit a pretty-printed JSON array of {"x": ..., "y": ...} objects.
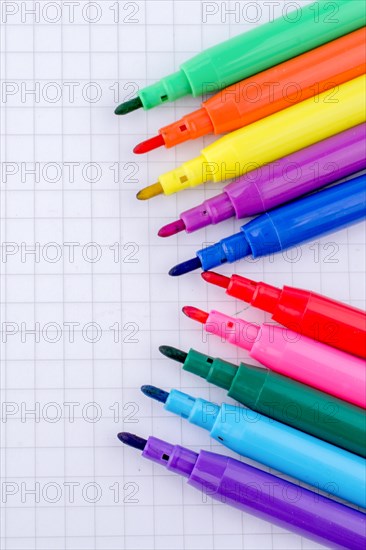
[
  {"x": 132, "y": 440},
  {"x": 155, "y": 393},
  {"x": 185, "y": 267}
]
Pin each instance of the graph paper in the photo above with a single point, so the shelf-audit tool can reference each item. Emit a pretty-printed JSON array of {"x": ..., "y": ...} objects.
[{"x": 85, "y": 295}]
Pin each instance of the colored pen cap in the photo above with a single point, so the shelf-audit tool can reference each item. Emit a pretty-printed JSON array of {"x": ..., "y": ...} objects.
[
  {"x": 265, "y": 296},
  {"x": 173, "y": 457},
  {"x": 215, "y": 371},
  {"x": 191, "y": 126}
]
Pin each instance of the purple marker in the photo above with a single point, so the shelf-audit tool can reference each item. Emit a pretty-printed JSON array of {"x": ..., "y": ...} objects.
[
  {"x": 264, "y": 495},
  {"x": 279, "y": 182}
]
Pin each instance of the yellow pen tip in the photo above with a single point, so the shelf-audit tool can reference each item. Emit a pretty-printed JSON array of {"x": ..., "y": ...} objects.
[{"x": 150, "y": 192}]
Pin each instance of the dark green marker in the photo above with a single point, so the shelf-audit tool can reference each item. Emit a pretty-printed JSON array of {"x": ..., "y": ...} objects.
[{"x": 281, "y": 398}]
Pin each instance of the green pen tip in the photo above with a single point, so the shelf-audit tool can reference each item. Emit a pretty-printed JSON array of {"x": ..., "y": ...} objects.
[
  {"x": 128, "y": 106},
  {"x": 173, "y": 353}
]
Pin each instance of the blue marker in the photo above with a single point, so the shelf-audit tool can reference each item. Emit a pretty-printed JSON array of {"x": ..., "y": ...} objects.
[
  {"x": 286, "y": 226},
  {"x": 269, "y": 442}
]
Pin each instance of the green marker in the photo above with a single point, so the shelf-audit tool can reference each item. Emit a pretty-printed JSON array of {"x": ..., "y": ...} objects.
[
  {"x": 281, "y": 398},
  {"x": 254, "y": 51}
]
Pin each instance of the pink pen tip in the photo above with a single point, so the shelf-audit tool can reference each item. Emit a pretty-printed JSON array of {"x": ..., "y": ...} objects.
[
  {"x": 172, "y": 228},
  {"x": 149, "y": 145},
  {"x": 215, "y": 279},
  {"x": 195, "y": 314}
]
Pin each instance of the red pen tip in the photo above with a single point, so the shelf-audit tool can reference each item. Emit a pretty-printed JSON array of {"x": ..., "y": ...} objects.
[
  {"x": 195, "y": 314},
  {"x": 172, "y": 228},
  {"x": 149, "y": 145},
  {"x": 215, "y": 279}
]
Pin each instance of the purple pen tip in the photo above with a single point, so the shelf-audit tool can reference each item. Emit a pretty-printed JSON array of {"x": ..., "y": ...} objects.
[
  {"x": 155, "y": 393},
  {"x": 132, "y": 440},
  {"x": 172, "y": 228},
  {"x": 185, "y": 267}
]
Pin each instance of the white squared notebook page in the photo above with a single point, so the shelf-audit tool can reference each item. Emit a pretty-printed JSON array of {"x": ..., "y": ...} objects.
[{"x": 86, "y": 299}]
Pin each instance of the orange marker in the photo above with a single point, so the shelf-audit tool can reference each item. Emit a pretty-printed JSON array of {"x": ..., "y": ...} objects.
[{"x": 270, "y": 91}]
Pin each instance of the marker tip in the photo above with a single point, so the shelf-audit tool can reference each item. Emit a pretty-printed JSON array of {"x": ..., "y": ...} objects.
[
  {"x": 195, "y": 314},
  {"x": 185, "y": 267},
  {"x": 128, "y": 106},
  {"x": 150, "y": 192},
  {"x": 155, "y": 393},
  {"x": 132, "y": 440},
  {"x": 172, "y": 228},
  {"x": 216, "y": 279},
  {"x": 173, "y": 353},
  {"x": 149, "y": 145}
]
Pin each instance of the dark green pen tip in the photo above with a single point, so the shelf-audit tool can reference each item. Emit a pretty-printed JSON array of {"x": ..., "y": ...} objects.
[
  {"x": 173, "y": 353},
  {"x": 128, "y": 106}
]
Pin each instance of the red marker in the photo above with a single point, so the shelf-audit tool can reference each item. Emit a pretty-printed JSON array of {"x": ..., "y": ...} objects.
[{"x": 334, "y": 323}]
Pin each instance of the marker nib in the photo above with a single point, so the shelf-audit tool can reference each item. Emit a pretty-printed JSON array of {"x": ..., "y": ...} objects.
[
  {"x": 173, "y": 353},
  {"x": 149, "y": 145},
  {"x": 129, "y": 106},
  {"x": 132, "y": 440},
  {"x": 195, "y": 314},
  {"x": 215, "y": 279},
  {"x": 172, "y": 228},
  {"x": 150, "y": 192},
  {"x": 155, "y": 393},
  {"x": 185, "y": 267}
]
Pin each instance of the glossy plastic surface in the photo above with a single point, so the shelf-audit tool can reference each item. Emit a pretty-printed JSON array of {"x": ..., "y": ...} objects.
[
  {"x": 254, "y": 51},
  {"x": 272, "y": 90},
  {"x": 286, "y": 400},
  {"x": 277, "y": 445},
  {"x": 334, "y": 323},
  {"x": 292, "y": 224},
  {"x": 273, "y": 137},
  {"x": 299, "y": 357},
  {"x": 283, "y": 180}
]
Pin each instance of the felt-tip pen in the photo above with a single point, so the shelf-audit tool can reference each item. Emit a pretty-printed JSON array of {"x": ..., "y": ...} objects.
[
  {"x": 334, "y": 323},
  {"x": 291, "y": 354},
  {"x": 252, "y": 52},
  {"x": 286, "y": 226},
  {"x": 279, "y": 397},
  {"x": 269, "y": 92},
  {"x": 259, "y": 493},
  {"x": 279, "y": 182},
  {"x": 269, "y": 442},
  {"x": 269, "y": 139}
]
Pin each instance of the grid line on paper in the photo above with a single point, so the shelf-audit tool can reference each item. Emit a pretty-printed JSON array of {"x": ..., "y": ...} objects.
[{"x": 107, "y": 372}]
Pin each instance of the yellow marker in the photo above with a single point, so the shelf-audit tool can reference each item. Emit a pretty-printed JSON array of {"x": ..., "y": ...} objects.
[{"x": 269, "y": 139}]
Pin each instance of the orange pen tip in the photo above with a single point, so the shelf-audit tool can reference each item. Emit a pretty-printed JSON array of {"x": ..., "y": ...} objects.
[{"x": 195, "y": 314}]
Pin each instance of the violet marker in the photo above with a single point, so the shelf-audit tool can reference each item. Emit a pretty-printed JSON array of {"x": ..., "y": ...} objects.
[
  {"x": 279, "y": 182},
  {"x": 259, "y": 493}
]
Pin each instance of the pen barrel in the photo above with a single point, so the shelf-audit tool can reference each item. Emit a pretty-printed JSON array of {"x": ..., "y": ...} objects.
[
  {"x": 313, "y": 363},
  {"x": 288, "y": 450},
  {"x": 289, "y": 83},
  {"x": 302, "y": 220},
  {"x": 276, "y": 500},
  {"x": 298, "y": 357},
  {"x": 290, "y": 130},
  {"x": 301, "y": 406},
  {"x": 283, "y": 180},
  {"x": 299, "y": 173},
  {"x": 273, "y": 137},
  {"x": 334, "y": 323},
  {"x": 271, "y": 44}
]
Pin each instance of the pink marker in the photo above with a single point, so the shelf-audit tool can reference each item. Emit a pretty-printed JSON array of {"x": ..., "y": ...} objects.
[{"x": 291, "y": 354}]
